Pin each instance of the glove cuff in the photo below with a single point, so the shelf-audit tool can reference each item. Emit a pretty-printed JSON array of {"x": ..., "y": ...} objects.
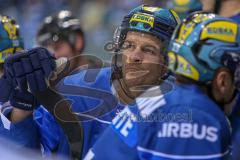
[{"x": 23, "y": 100}]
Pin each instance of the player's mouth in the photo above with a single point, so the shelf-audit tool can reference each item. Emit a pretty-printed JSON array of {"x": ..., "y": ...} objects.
[{"x": 133, "y": 74}]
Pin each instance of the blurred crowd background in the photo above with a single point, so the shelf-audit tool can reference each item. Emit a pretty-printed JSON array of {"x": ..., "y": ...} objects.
[{"x": 99, "y": 18}]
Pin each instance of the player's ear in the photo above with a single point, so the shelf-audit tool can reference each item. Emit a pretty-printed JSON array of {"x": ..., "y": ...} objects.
[
  {"x": 223, "y": 86},
  {"x": 223, "y": 81}
]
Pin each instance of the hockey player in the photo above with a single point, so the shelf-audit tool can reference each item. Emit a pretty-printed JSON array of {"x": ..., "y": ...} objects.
[
  {"x": 145, "y": 32},
  {"x": 11, "y": 42},
  {"x": 229, "y": 8},
  {"x": 205, "y": 55},
  {"x": 62, "y": 34}
]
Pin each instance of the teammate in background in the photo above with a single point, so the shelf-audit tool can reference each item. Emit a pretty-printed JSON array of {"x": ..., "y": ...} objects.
[
  {"x": 231, "y": 9},
  {"x": 11, "y": 41},
  {"x": 62, "y": 35},
  {"x": 144, "y": 34},
  {"x": 186, "y": 7},
  {"x": 226, "y": 8},
  {"x": 205, "y": 70}
]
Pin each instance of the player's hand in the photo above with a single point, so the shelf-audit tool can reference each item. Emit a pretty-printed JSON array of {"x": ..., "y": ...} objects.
[
  {"x": 23, "y": 100},
  {"x": 30, "y": 69}
]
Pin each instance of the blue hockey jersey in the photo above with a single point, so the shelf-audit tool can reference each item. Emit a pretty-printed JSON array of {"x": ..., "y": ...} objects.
[
  {"x": 87, "y": 91},
  {"x": 235, "y": 121},
  {"x": 182, "y": 124}
]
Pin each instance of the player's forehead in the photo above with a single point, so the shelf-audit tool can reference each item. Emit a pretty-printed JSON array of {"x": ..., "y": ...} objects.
[{"x": 143, "y": 38}]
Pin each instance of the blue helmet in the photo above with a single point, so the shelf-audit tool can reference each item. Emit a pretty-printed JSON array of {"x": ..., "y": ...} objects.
[
  {"x": 156, "y": 21},
  {"x": 185, "y": 7},
  {"x": 201, "y": 44},
  {"x": 11, "y": 41}
]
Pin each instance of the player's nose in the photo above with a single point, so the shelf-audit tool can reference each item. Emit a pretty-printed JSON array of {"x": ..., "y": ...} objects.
[{"x": 136, "y": 56}]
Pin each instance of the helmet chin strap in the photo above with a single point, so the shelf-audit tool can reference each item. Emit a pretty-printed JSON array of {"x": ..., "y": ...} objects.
[
  {"x": 117, "y": 81},
  {"x": 122, "y": 92}
]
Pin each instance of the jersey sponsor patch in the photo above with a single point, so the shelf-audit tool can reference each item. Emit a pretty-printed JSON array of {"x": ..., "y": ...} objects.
[
  {"x": 220, "y": 30},
  {"x": 123, "y": 125},
  {"x": 188, "y": 130},
  {"x": 144, "y": 18}
]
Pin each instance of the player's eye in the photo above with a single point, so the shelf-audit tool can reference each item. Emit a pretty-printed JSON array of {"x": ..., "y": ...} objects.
[
  {"x": 149, "y": 50},
  {"x": 127, "y": 45}
]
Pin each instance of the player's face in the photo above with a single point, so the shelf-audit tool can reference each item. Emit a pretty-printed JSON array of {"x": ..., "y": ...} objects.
[
  {"x": 61, "y": 49},
  {"x": 142, "y": 60}
]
